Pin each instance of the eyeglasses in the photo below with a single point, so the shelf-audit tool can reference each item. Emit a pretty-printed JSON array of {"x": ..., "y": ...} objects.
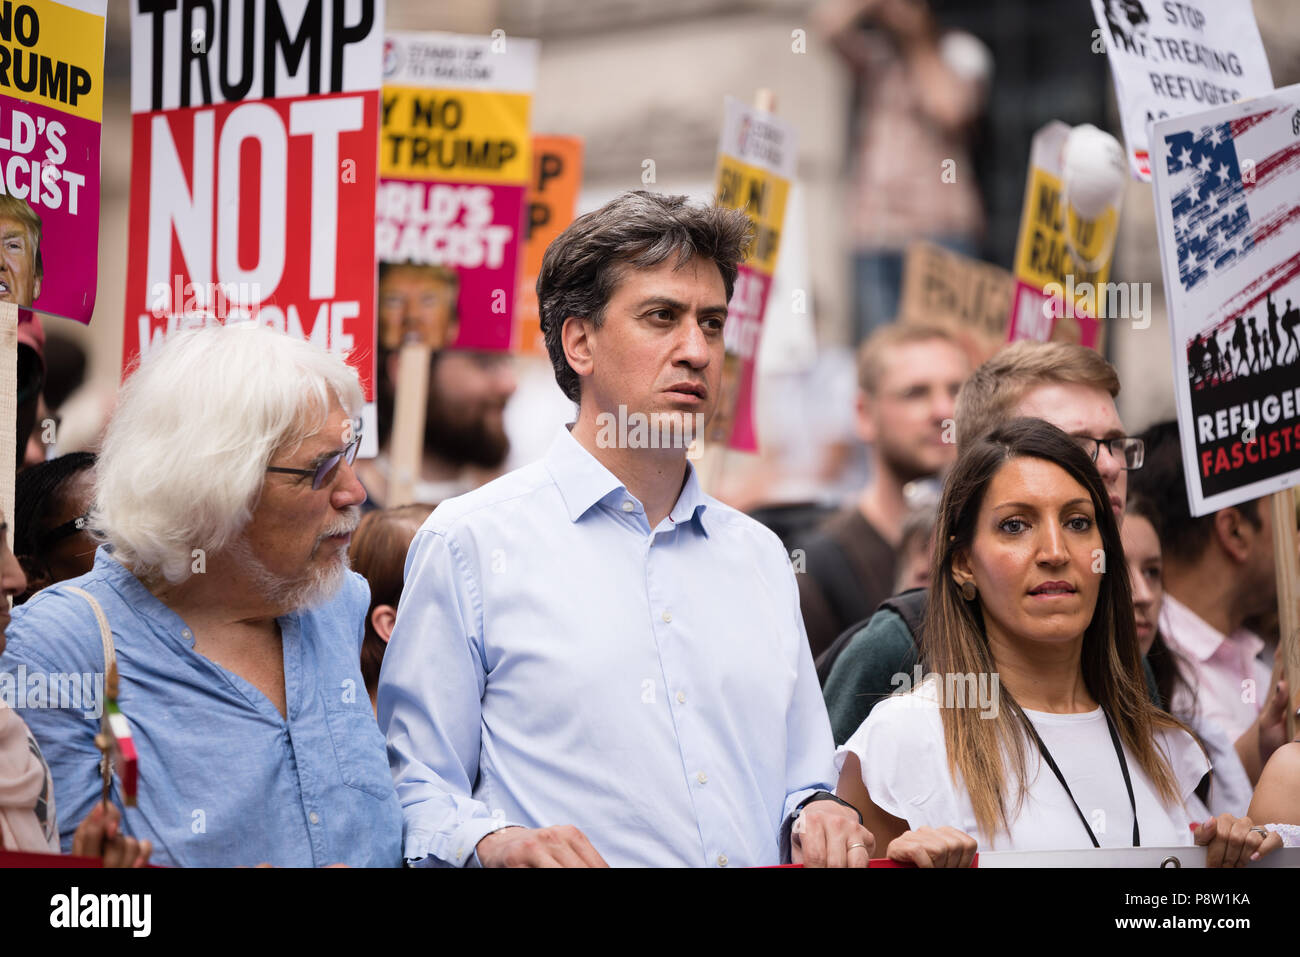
[
  {"x": 51, "y": 537},
  {"x": 324, "y": 472},
  {"x": 1131, "y": 452}
]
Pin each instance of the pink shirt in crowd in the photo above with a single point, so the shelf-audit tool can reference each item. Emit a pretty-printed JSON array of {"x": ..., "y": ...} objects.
[{"x": 1230, "y": 680}]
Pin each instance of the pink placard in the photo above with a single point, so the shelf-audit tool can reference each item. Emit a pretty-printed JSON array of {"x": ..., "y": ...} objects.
[{"x": 49, "y": 160}]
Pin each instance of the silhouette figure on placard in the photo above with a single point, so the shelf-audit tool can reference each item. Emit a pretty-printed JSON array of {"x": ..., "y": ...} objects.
[
  {"x": 1291, "y": 319},
  {"x": 1276, "y": 332},
  {"x": 1216, "y": 357},
  {"x": 1239, "y": 343},
  {"x": 1263, "y": 343},
  {"x": 1196, "y": 360}
]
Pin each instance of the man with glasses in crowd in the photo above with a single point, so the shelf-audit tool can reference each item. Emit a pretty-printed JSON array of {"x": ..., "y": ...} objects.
[{"x": 225, "y": 503}]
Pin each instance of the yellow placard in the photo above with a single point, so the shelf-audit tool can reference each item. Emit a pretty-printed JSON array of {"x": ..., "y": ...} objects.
[
  {"x": 53, "y": 55},
  {"x": 471, "y": 136},
  {"x": 1054, "y": 245},
  {"x": 762, "y": 196}
]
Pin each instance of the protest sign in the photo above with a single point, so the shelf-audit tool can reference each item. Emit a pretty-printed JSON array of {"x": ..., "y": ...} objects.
[
  {"x": 51, "y": 105},
  {"x": 1173, "y": 58},
  {"x": 253, "y": 173},
  {"x": 756, "y": 163},
  {"x": 974, "y": 297},
  {"x": 1063, "y": 252},
  {"x": 8, "y": 411},
  {"x": 552, "y": 200},
  {"x": 454, "y": 164},
  {"x": 1227, "y": 198}
]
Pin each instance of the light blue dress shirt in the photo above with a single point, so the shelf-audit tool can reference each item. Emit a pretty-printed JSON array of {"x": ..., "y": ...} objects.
[
  {"x": 557, "y": 661},
  {"x": 224, "y": 779}
]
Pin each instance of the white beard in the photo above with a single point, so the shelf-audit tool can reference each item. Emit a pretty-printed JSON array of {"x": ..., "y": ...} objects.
[{"x": 319, "y": 585}]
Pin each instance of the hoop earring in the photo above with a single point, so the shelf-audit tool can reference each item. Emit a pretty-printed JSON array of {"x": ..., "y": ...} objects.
[{"x": 968, "y": 590}]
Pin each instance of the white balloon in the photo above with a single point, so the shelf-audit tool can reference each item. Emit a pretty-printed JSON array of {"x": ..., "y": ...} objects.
[{"x": 1094, "y": 171}]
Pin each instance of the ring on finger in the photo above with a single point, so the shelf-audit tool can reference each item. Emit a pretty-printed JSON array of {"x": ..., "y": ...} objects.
[
  {"x": 857, "y": 844},
  {"x": 1259, "y": 828}
]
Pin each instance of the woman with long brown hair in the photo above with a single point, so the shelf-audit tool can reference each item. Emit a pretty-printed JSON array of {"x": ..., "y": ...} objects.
[{"x": 1033, "y": 729}]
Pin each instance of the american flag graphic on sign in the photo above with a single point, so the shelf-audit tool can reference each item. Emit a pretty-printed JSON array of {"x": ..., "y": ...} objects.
[
  {"x": 1214, "y": 172},
  {"x": 1211, "y": 216}
]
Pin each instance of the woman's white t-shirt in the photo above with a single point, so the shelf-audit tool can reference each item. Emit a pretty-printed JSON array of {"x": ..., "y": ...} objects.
[{"x": 904, "y": 761}]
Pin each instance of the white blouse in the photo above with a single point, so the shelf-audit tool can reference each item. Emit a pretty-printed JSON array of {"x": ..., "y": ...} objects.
[{"x": 904, "y": 763}]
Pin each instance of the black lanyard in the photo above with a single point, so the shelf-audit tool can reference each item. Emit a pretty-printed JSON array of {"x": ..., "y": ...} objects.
[{"x": 1123, "y": 766}]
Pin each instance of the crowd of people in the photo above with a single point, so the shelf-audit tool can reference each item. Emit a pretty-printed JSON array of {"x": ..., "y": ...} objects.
[{"x": 589, "y": 660}]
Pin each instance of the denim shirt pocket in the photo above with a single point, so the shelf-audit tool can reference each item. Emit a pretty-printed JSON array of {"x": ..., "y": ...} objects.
[{"x": 361, "y": 751}]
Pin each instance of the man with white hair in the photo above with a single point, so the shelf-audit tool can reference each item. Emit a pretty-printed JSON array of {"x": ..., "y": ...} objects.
[{"x": 225, "y": 499}]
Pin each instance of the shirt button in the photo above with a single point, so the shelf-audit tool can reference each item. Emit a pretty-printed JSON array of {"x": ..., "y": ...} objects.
[
  {"x": 722, "y": 860},
  {"x": 702, "y": 777},
  {"x": 667, "y": 616},
  {"x": 314, "y": 817},
  {"x": 187, "y": 634},
  {"x": 629, "y": 507},
  {"x": 681, "y": 697}
]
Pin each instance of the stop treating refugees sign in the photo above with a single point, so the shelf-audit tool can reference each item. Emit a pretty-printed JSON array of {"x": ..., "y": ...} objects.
[
  {"x": 1177, "y": 56},
  {"x": 255, "y": 133}
]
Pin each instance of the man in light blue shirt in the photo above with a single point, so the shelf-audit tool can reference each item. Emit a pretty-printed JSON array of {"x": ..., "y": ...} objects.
[
  {"x": 226, "y": 496},
  {"x": 594, "y": 662}
]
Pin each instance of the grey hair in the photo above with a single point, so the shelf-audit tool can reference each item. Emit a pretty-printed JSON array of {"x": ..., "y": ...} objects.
[
  {"x": 184, "y": 457},
  {"x": 639, "y": 229}
]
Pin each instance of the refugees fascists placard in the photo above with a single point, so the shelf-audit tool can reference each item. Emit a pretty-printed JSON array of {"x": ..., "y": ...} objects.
[
  {"x": 756, "y": 163},
  {"x": 455, "y": 160},
  {"x": 51, "y": 105},
  {"x": 255, "y": 131},
  {"x": 1173, "y": 57},
  {"x": 1227, "y": 197}
]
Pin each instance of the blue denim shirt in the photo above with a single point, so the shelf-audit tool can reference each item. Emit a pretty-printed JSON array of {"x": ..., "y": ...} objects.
[{"x": 224, "y": 778}]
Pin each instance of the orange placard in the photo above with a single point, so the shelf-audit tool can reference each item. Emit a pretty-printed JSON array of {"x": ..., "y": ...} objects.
[{"x": 552, "y": 200}]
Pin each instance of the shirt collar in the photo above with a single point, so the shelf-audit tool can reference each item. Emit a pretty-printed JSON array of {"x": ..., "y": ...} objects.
[
  {"x": 692, "y": 503},
  {"x": 1197, "y": 637},
  {"x": 583, "y": 482}
]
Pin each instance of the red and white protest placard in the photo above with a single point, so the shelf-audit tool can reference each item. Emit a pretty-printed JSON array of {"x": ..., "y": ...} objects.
[{"x": 255, "y": 129}]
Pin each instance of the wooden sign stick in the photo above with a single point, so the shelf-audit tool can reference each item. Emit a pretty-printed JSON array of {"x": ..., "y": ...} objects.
[{"x": 406, "y": 453}]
